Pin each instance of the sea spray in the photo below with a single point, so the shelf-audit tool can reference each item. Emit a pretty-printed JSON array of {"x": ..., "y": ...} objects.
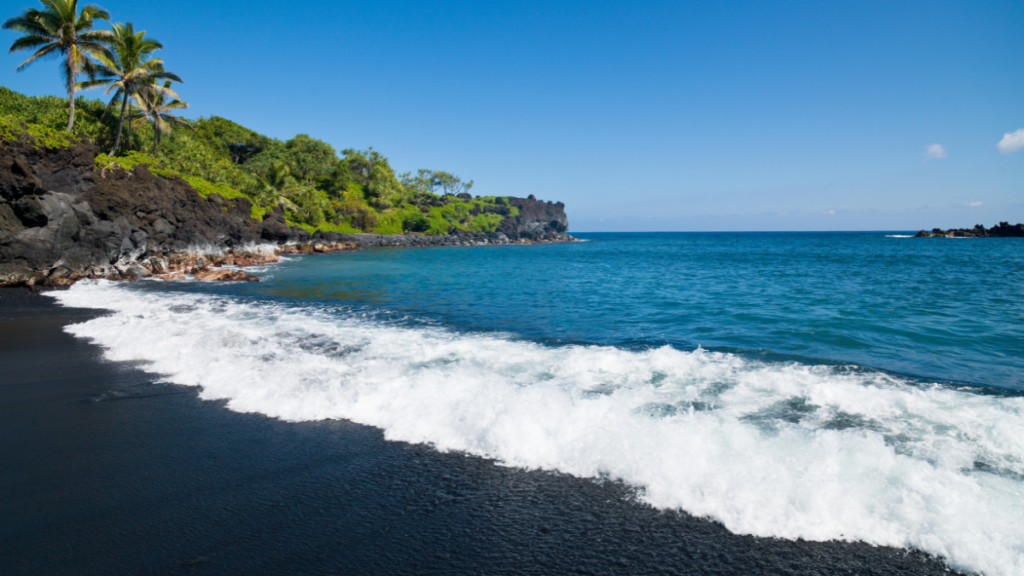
[{"x": 771, "y": 449}]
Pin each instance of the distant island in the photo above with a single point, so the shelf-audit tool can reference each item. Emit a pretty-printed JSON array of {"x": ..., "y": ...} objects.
[{"x": 1001, "y": 230}]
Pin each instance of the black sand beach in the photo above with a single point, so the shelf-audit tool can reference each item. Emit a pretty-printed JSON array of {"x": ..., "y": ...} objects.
[{"x": 106, "y": 472}]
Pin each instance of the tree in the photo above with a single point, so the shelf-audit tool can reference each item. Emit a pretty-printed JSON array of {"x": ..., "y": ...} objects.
[
  {"x": 236, "y": 142},
  {"x": 153, "y": 107},
  {"x": 59, "y": 28},
  {"x": 418, "y": 185},
  {"x": 371, "y": 170},
  {"x": 451, "y": 184},
  {"x": 309, "y": 158},
  {"x": 129, "y": 71},
  {"x": 382, "y": 186},
  {"x": 277, "y": 185},
  {"x": 357, "y": 164}
]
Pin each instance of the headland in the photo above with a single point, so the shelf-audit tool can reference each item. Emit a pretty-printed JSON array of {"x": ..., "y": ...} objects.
[{"x": 65, "y": 218}]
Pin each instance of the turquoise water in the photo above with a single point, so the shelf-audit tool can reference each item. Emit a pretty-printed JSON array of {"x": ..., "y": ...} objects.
[
  {"x": 945, "y": 309},
  {"x": 815, "y": 386}
]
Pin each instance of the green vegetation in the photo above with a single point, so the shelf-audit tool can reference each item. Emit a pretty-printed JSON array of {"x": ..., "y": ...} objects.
[
  {"x": 155, "y": 108},
  {"x": 129, "y": 71},
  {"x": 11, "y": 128},
  {"x": 318, "y": 189}
]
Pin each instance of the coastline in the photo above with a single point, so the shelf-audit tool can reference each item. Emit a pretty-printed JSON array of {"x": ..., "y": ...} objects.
[
  {"x": 63, "y": 219},
  {"x": 114, "y": 473}
]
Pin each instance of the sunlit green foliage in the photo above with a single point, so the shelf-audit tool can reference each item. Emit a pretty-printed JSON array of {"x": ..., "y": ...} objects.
[
  {"x": 11, "y": 128},
  {"x": 155, "y": 109},
  {"x": 126, "y": 161},
  {"x": 128, "y": 72},
  {"x": 304, "y": 177},
  {"x": 52, "y": 112},
  {"x": 233, "y": 141}
]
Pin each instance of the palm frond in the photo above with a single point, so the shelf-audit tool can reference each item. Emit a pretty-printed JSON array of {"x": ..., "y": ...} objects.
[
  {"x": 154, "y": 65},
  {"x": 28, "y": 23},
  {"x": 170, "y": 77},
  {"x": 90, "y": 84},
  {"x": 98, "y": 36},
  {"x": 94, "y": 12},
  {"x": 107, "y": 63},
  {"x": 157, "y": 89},
  {"x": 29, "y": 42},
  {"x": 119, "y": 85},
  {"x": 176, "y": 105},
  {"x": 58, "y": 7},
  {"x": 41, "y": 53},
  {"x": 179, "y": 122},
  {"x": 149, "y": 45}
]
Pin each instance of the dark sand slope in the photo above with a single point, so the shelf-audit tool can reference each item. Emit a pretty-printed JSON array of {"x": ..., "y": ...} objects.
[{"x": 105, "y": 472}]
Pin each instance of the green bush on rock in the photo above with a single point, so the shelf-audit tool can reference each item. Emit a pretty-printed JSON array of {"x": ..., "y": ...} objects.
[
  {"x": 11, "y": 128},
  {"x": 357, "y": 191}
]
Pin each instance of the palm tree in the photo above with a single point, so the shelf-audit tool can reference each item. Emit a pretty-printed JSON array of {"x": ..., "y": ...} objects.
[
  {"x": 153, "y": 107},
  {"x": 59, "y": 28},
  {"x": 130, "y": 71},
  {"x": 277, "y": 185}
]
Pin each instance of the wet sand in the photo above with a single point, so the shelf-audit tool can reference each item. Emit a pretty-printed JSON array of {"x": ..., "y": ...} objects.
[{"x": 105, "y": 471}]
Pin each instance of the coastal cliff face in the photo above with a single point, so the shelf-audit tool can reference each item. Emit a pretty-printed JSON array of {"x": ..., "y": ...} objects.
[{"x": 62, "y": 220}]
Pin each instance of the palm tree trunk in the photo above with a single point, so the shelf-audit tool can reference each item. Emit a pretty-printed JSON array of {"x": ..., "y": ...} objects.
[
  {"x": 71, "y": 116},
  {"x": 120, "y": 125},
  {"x": 156, "y": 138}
]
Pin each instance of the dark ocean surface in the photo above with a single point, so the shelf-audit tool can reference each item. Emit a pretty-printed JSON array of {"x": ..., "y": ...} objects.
[{"x": 635, "y": 403}]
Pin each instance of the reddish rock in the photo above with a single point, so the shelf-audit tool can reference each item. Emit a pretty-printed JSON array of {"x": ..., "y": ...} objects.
[
  {"x": 254, "y": 259},
  {"x": 171, "y": 276},
  {"x": 222, "y": 275}
]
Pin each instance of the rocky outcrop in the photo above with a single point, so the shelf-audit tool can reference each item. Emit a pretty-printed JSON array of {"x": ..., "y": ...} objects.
[
  {"x": 61, "y": 220},
  {"x": 536, "y": 220},
  {"x": 1001, "y": 230}
]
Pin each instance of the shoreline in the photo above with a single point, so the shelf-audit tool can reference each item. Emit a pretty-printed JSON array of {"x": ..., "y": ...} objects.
[
  {"x": 116, "y": 473},
  {"x": 209, "y": 264}
]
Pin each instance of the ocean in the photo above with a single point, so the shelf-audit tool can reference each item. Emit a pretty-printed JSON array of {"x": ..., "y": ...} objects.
[{"x": 858, "y": 387}]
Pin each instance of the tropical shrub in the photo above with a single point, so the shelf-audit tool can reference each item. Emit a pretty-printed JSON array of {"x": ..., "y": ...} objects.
[{"x": 358, "y": 192}]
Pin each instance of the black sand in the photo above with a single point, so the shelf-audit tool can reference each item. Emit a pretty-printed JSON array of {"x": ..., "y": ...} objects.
[{"x": 106, "y": 472}]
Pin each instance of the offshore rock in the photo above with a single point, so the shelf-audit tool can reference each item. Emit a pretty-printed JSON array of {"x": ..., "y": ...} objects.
[
  {"x": 1001, "y": 230},
  {"x": 61, "y": 221}
]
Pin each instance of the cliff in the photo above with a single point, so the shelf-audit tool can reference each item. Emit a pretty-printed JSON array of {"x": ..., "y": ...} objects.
[{"x": 62, "y": 220}]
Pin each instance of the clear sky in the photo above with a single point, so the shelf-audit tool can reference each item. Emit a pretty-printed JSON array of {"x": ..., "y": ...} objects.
[{"x": 638, "y": 115}]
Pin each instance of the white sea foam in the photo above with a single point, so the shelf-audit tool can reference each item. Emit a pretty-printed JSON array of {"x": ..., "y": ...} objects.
[
  {"x": 248, "y": 248},
  {"x": 899, "y": 236},
  {"x": 783, "y": 450}
]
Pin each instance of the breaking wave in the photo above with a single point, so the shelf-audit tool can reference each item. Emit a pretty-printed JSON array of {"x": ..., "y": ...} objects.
[{"x": 784, "y": 450}]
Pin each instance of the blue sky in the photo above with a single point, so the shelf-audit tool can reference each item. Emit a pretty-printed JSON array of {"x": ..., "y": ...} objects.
[{"x": 639, "y": 116}]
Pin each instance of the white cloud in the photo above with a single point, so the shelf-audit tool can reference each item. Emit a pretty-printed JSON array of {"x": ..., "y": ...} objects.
[
  {"x": 934, "y": 152},
  {"x": 974, "y": 204},
  {"x": 1011, "y": 142},
  {"x": 829, "y": 212}
]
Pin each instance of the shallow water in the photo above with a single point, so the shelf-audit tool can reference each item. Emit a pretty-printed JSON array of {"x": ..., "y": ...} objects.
[{"x": 816, "y": 386}]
